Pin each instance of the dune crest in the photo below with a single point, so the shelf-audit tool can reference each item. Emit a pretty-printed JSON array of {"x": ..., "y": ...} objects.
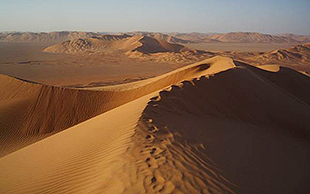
[{"x": 272, "y": 68}]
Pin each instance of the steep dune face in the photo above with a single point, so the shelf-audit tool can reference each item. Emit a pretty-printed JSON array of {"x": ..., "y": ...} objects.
[
  {"x": 246, "y": 120},
  {"x": 15, "y": 98},
  {"x": 156, "y": 45},
  {"x": 289, "y": 95},
  {"x": 217, "y": 126}
]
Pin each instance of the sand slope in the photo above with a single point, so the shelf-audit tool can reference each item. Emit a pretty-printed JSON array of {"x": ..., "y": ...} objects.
[{"x": 222, "y": 127}]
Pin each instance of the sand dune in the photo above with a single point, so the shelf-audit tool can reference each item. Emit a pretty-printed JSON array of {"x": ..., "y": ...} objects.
[
  {"x": 140, "y": 43},
  {"x": 299, "y": 54},
  {"x": 297, "y": 57},
  {"x": 182, "y": 132},
  {"x": 49, "y": 109},
  {"x": 141, "y": 47},
  {"x": 137, "y": 89},
  {"x": 246, "y": 119}
]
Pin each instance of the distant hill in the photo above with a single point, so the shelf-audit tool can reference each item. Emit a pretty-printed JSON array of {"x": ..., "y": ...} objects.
[
  {"x": 240, "y": 37},
  {"x": 292, "y": 56},
  {"x": 168, "y": 38},
  {"x": 250, "y": 37},
  {"x": 43, "y": 37},
  {"x": 194, "y": 37},
  {"x": 175, "y": 38},
  {"x": 300, "y": 38},
  {"x": 69, "y": 35}
]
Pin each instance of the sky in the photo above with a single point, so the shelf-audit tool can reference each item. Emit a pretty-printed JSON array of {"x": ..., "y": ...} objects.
[{"x": 265, "y": 16}]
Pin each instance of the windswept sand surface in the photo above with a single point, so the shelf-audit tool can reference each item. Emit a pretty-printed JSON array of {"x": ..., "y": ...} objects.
[{"x": 217, "y": 126}]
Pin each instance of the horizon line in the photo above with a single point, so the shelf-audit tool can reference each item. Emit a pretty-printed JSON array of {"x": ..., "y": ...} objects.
[{"x": 163, "y": 32}]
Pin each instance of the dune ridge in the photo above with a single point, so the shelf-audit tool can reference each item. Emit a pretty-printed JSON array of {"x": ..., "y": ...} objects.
[
  {"x": 176, "y": 133},
  {"x": 46, "y": 111}
]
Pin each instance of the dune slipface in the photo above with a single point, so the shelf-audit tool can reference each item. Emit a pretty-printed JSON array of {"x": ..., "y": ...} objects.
[{"x": 217, "y": 126}]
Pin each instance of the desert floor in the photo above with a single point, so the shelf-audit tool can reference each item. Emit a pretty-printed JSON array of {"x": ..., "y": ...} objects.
[{"x": 27, "y": 61}]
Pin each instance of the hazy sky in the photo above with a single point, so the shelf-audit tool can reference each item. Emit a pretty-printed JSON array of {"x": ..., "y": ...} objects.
[{"x": 266, "y": 16}]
